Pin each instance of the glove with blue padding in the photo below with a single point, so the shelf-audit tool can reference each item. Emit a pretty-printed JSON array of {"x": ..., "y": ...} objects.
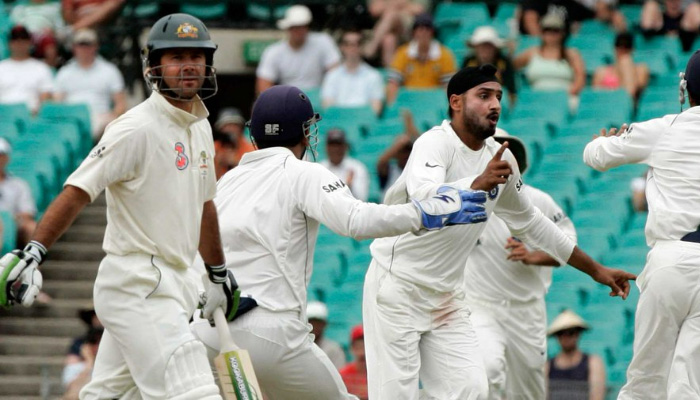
[
  {"x": 451, "y": 206},
  {"x": 20, "y": 280},
  {"x": 221, "y": 290}
]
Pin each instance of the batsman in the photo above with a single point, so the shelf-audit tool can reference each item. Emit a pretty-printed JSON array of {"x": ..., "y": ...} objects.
[{"x": 155, "y": 163}]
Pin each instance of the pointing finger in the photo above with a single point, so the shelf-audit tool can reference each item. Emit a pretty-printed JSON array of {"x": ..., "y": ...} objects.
[{"x": 500, "y": 151}]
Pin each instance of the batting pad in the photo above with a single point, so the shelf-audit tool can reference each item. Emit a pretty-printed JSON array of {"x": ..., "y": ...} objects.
[{"x": 188, "y": 375}]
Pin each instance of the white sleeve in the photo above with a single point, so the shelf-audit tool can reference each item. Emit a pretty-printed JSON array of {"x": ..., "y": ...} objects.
[
  {"x": 554, "y": 213},
  {"x": 331, "y": 52},
  {"x": 267, "y": 69},
  {"x": 326, "y": 198},
  {"x": 377, "y": 91},
  {"x": 526, "y": 221},
  {"x": 46, "y": 81},
  {"x": 425, "y": 171},
  {"x": 632, "y": 147},
  {"x": 329, "y": 87},
  {"x": 25, "y": 203},
  {"x": 116, "y": 83}
]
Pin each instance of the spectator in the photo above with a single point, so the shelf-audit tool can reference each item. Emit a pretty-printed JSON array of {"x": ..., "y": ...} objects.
[
  {"x": 354, "y": 374},
  {"x": 90, "y": 79},
  {"x": 301, "y": 59},
  {"x": 78, "y": 373},
  {"x": 638, "y": 187},
  {"x": 353, "y": 83},
  {"x": 44, "y": 21},
  {"x": 575, "y": 12},
  {"x": 394, "y": 19},
  {"x": 232, "y": 123},
  {"x": 624, "y": 73},
  {"x": 421, "y": 63},
  {"x": 351, "y": 171},
  {"x": 552, "y": 65},
  {"x": 676, "y": 19},
  {"x": 16, "y": 198},
  {"x": 22, "y": 78},
  {"x": 224, "y": 154},
  {"x": 80, "y": 14},
  {"x": 392, "y": 162},
  {"x": 317, "y": 314},
  {"x": 573, "y": 374},
  {"x": 487, "y": 50}
]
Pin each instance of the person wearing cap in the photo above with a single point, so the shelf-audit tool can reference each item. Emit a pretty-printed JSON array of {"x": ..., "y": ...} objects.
[
  {"x": 354, "y": 83},
  {"x": 231, "y": 123},
  {"x": 301, "y": 59},
  {"x": 317, "y": 314},
  {"x": 270, "y": 208},
  {"x": 43, "y": 20},
  {"x": 355, "y": 373},
  {"x": 665, "y": 364},
  {"x": 353, "y": 172},
  {"x": 573, "y": 374},
  {"x": 422, "y": 63},
  {"x": 24, "y": 79},
  {"x": 90, "y": 79},
  {"x": 551, "y": 65},
  {"x": 505, "y": 282},
  {"x": 624, "y": 72},
  {"x": 417, "y": 327},
  {"x": 155, "y": 163},
  {"x": 16, "y": 197},
  {"x": 486, "y": 46}
]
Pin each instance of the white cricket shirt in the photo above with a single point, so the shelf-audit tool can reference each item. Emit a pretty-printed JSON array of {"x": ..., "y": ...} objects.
[
  {"x": 436, "y": 259},
  {"x": 156, "y": 163},
  {"x": 270, "y": 207},
  {"x": 671, "y": 147},
  {"x": 489, "y": 274}
]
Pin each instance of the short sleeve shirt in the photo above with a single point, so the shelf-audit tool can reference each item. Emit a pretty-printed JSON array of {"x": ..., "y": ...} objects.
[{"x": 436, "y": 70}]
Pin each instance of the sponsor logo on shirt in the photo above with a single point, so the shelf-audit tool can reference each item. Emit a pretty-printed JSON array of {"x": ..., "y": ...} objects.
[
  {"x": 187, "y": 30},
  {"x": 203, "y": 166},
  {"x": 337, "y": 185},
  {"x": 519, "y": 185},
  {"x": 181, "y": 159}
]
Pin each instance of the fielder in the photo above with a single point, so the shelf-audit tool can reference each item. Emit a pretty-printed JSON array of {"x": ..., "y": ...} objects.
[
  {"x": 505, "y": 289},
  {"x": 270, "y": 208},
  {"x": 155, "y": 163},
  {"x": 666, "y": 361},
  {"x": 416, "y": 323}
]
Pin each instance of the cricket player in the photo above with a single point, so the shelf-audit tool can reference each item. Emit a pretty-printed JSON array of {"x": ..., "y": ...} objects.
[
  {"x": 666, "y": 360},
  {"x": 505, "y": 282},
  {"x": 270, "y": 208},
  {"x": 155, "y": 163},
  {"x": 416, "y": 323}
]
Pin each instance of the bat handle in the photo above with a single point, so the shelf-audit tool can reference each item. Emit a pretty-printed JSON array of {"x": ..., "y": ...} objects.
[{"x": 225, "y": 339}]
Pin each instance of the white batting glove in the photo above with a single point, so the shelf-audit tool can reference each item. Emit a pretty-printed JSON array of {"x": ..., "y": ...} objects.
[
  {"x": 20, "y": 280},
  {"x": 220, "y": 291}
]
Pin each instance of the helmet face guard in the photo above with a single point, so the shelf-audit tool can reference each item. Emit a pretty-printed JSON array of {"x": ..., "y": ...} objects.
[
  {"x": 178, "y": 31},
  {"x": 311, "y": 134}
]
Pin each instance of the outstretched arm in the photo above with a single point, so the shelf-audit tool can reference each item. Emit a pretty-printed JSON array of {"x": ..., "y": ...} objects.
[{"x": 59, "y": 216}]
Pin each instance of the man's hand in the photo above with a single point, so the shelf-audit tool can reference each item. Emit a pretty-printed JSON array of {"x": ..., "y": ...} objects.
[
  {"x": 611, "y": 132},
  {"x": 518, "y": 251},
  {"x": 20, "y": 280},
  {"x": 496, "y": 173},
  {"x": 616, "y": 279},
  {"x": 452, "y": 207},
  {"x": 221, "y": 290}
]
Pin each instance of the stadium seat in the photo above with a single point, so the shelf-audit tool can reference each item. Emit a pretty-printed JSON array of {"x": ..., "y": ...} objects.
[
  {"x": 9, "y": 131},
  {"x": 593, "y": 41},
  {"x": 266, "y": 11},
  {"x": 551, "y": 106},
  {"x": 67, "y": 132},
  {"x": 611, "y": 107},
  {"x": 504, "y": 12},
  {"x": 464, "y": 15},
  {"x": 632, "y": 13},
  {"x": 79, "y": 113},
  {"x": 595, "y": 27},
  {"x": 18, "y": 113},
  {"x": 525, "y": 42},
  {"x": 631, "y": 259},
  {"x": 9, "y": 232},
  {"x": 206, "y": 10},
  {"x": 658, "y": 63},
  {"x": 389, "y": 128}
]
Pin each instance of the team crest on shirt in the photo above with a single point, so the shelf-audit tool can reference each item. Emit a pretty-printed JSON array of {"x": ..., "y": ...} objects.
[
  {"x": 493, "y": 193},
  {"x": 203, "y": 166},
  {"x": 181, "y": 159},
  {"x": 187, "y": 30}
]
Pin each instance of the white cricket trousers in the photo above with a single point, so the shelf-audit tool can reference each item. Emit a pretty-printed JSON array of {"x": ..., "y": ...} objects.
[
  {"x": 666, "y": 361},
  {"x": 287, "y": 362},
  {"x": 413, "y": 332},
  {"x": 513, "y": 339},
  {"x": 147, "y": 350}
]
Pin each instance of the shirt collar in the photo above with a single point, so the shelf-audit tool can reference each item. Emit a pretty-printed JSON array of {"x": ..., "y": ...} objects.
[
  {"x": 178, "y": 116},
  {"x": 258, "y": 155},
  {"x": 433, "y": 52}
]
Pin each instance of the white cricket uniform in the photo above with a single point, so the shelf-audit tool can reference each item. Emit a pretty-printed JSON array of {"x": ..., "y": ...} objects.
[
  {"x": 666, "y": 361},
  {"x": 270, "y": 208},
  {"x": 415, "y": 318},
  {"x": 155, "y": 162},
  {"x": 506, "y": 299}
]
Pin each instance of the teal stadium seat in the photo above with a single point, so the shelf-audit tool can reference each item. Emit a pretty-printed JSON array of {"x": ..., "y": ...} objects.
[
  {"x": 9, "y": 231},
  {"x": 206, "y": 10},
  {"x": 66, "y": 132},
  {"x": 9, "y": 131},
  {"x": 18, "y": 113},
  {"x": 632, "y": 13},
  {"x": 451, "y": 18},
  {"x": 80, "y": 113},
  {"x": 548, "y": 105},
  {"x": 608, "y": 106}
]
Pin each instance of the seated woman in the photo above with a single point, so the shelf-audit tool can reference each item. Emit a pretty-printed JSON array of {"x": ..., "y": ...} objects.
[
  {"x": 551, "y": 65},
  {"x": 623, "y": 73}
]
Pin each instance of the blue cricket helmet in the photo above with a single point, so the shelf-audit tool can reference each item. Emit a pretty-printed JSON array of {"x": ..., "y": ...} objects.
[
  {"x": 282, "y": 116},
  {"x": 692, "y": 75}
]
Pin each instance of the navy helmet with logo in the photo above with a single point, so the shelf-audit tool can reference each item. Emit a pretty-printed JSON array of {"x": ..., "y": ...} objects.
[{"x": 282, "y": 116}]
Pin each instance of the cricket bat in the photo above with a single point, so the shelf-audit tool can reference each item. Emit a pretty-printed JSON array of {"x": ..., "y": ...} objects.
[{"x": 233, "y": 365}]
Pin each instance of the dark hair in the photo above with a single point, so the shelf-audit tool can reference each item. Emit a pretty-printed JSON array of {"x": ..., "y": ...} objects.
[
  {"x": 624, "y": 40},
  {"x": 354, "y": 31},
  {"x": 94, "y": 335},
  {"x": 263, "y": 144}
]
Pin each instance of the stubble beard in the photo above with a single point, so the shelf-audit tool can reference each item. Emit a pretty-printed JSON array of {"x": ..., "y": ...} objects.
[{"x": 476, "y": 127}]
